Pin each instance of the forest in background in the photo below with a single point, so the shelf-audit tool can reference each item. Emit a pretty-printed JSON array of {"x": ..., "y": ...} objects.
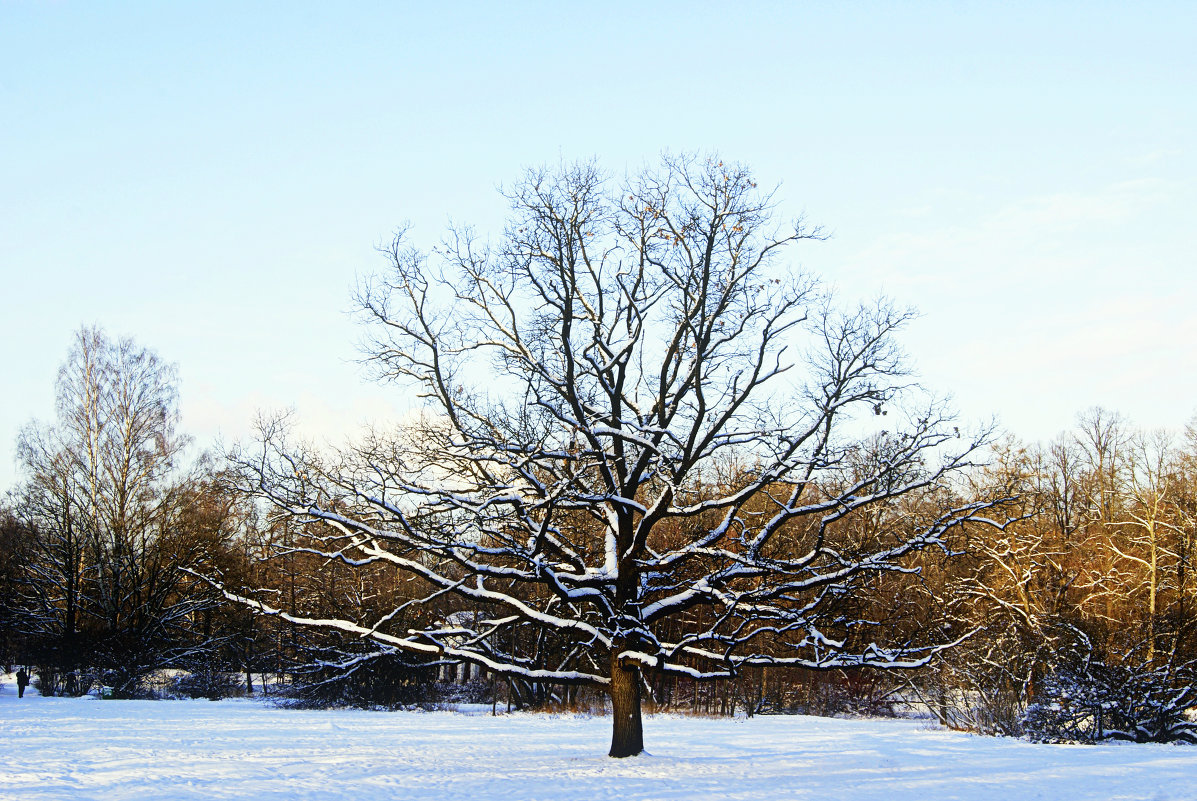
[{"x": 1085, "y": 601}]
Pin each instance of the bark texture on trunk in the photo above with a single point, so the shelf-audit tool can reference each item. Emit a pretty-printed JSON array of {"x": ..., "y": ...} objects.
[{"x": 627, "y": 734}]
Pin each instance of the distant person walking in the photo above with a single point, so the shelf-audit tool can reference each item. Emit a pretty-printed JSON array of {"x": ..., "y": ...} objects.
[{"x": 22, "y": 682}]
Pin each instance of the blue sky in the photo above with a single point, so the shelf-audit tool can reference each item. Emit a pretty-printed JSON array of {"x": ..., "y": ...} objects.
[{"x": 211, "y": 178}]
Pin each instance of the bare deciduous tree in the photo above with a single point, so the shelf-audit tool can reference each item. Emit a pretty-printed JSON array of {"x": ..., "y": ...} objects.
[
  {"x": 102, "y": 578},
  {"x": 587, "y": 377}
]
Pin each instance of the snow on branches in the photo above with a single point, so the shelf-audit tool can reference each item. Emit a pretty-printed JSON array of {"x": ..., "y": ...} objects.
[{"x": 649, "y": 444}]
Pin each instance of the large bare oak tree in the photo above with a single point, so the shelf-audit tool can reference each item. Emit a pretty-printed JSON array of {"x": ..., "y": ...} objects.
[{"x": 647, "y": 437}]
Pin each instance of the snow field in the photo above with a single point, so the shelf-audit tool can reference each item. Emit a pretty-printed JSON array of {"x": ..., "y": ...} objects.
[{"x": 58, "y": 748}]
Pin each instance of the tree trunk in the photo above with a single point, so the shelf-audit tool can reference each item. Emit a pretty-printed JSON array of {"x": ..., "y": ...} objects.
[{"x": 627, "y": 734}]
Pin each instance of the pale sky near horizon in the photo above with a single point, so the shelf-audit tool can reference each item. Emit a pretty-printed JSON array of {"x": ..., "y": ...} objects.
[{"x": 211, "y": 178}]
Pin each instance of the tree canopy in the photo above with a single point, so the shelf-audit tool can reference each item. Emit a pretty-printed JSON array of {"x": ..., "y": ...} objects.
[{"x": 646, "y": 444}]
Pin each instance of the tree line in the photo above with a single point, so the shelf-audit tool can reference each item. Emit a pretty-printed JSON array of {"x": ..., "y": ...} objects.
[
  {"x": 1084, "y": 605},
  {"x": 657, "y": 465}
]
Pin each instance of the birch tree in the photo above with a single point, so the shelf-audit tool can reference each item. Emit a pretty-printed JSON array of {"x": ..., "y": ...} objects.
[
  {"x": 585, "y": 374},
  {"x": 103, "y": 585}
]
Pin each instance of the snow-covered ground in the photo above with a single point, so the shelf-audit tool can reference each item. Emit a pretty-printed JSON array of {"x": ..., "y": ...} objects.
[{"x": 58, "y": 748}]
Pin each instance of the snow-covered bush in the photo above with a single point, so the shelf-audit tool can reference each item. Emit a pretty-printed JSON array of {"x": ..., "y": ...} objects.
[
  {"x": 1088, "y": 698},
  {"x": 375, "y": 679},
  {"x": 211, "y": 683}
]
